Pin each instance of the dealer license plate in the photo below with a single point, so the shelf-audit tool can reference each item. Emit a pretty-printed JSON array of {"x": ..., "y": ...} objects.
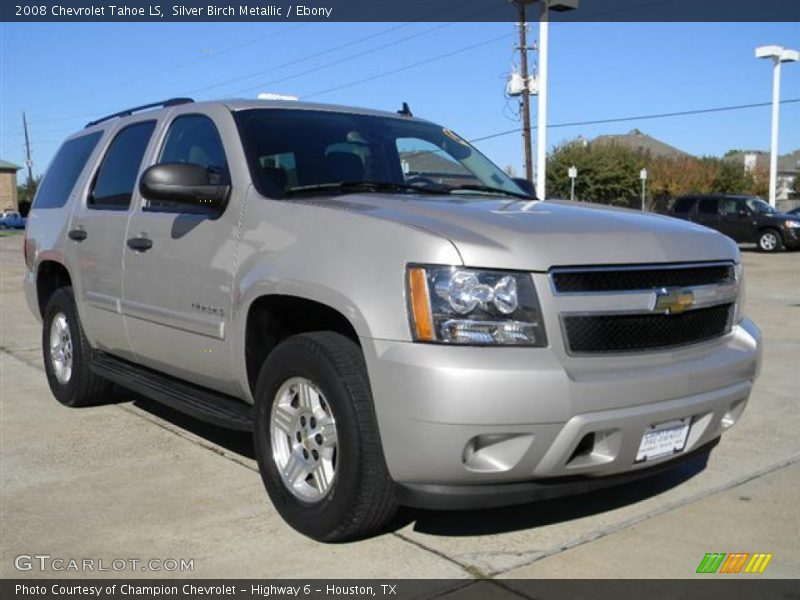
[{"x": 663, "y": 439}]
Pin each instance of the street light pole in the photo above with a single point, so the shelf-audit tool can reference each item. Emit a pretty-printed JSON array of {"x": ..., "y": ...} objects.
[
  {"x": 541, "y": 113},
  {"x": 779, "y": 55},
  {"x": 541, "y": 124}
]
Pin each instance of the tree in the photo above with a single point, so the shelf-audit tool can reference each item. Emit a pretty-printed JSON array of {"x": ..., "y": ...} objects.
[
  {"x": 730, "y": 178},
  {"x": 25, "y": 194},
  {"x": 607, "y": 173}
]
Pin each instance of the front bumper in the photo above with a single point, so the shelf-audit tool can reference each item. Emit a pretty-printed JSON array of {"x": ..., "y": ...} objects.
[
  {"x": 484, "y": 416},
  {"x": 791, "y": 237}
]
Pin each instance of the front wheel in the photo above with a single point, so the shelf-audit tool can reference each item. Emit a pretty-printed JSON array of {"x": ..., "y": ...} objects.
[
  {"x": 770, "y": 240},
  {"x": 317, "y": 441}
]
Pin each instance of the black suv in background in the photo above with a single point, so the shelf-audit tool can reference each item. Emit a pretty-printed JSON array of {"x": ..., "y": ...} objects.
[{"x": 742, "y": 218}]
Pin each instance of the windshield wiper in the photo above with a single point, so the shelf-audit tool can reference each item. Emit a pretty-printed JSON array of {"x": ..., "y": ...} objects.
[
  {"x": 489, "y": 190},
  {"x": 355, "y": 187}
]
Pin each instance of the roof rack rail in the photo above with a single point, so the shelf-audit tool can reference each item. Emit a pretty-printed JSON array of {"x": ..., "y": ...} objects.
[{"x": 130, "y": 111}]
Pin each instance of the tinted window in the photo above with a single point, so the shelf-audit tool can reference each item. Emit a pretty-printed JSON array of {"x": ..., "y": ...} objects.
[
  {"x": 65, "y": 170},
  {"x": 192, "y": 139},
  {"x": 683, "y": 205},
  {"x": 116, "y": 179},
  {"x": 293, "y": 149},
  {"x": 730, "y": 206},
  {"x": 708, "y": 206}
]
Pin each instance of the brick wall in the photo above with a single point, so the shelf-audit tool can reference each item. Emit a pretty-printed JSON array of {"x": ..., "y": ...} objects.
[{"x": 8, "y": 191}]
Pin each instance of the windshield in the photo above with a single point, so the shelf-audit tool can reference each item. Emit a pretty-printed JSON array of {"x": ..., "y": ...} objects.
[
  {"x": 291, "y": 150},
  {"x": 758, "y": 206}
]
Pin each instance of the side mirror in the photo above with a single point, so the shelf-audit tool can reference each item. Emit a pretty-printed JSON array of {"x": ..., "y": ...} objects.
[
  {"x": 742, "y": 213},
  {"x": 184, "y": 183},
  {"x": 526, "y": 186}
]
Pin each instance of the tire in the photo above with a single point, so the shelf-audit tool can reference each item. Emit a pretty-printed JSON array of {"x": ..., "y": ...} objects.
[
  {"x": 769, "y": 240},
  {"x": 76, "y": 385},
  {"x": 360, "y": 498}
]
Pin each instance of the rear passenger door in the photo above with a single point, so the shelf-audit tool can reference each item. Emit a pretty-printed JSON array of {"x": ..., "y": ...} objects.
[
  {"x": 177, "y": 293},
  {"x": 708, "y": 213},
  {"x": 97, "y": 235}
]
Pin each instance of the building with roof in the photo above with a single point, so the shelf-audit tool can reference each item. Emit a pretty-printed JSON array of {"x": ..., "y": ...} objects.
[
  {"x": 641, "y": 142},
  {"x": 788, "y": 168},
  {"x": 8, "y": 186}
]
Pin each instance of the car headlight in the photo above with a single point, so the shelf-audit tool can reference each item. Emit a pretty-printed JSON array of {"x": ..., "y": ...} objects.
[
  {"x": 792, "y": 224},
  {"x": 455, "y": 305}
]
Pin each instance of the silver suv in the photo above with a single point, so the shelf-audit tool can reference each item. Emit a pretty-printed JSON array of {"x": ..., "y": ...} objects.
[{"x": 395, "y": 319}]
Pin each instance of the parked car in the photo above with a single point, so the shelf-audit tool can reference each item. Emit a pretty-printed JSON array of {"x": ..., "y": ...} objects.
[
  {"x": 742, "y": 218},
  {"x": 394, "y": 319},
  {"x": 12, "y": 220}
]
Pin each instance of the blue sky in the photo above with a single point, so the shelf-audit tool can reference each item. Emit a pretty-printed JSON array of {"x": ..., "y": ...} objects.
[{"x": 66, "y": 74}]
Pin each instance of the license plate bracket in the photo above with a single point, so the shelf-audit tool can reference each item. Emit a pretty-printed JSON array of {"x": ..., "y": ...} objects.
[{"x": 663, "y": 439}]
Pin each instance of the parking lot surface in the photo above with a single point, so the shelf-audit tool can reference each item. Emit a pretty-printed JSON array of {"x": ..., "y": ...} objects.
[{"x": 133, "y": 480}]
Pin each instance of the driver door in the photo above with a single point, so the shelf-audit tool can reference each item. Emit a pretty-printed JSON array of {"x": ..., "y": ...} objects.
[
  {"x": 177, "y": 284},
  {"x": 735, "y": 220}
]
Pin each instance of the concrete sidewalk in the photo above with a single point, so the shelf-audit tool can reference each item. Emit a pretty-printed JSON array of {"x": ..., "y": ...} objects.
[{"x": 135, "y": 480}]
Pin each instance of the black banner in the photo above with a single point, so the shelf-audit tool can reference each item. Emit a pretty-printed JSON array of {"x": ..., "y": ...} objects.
[
  {"x": 396, "y": 10},
  {"x": 727, "y": 587}
]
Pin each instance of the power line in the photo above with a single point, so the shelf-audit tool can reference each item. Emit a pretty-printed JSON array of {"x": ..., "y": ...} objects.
[
  {"x": 366, "y": 52},
  {"x": 410, "y": 66},
  {"x": 337, "y": 48},
  {"x": 682, "y": 113},
  {"x": 299, "y": 60}
]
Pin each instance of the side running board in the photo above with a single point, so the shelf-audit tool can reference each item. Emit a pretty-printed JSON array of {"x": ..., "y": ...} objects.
[{"x": 201, "y": 403}]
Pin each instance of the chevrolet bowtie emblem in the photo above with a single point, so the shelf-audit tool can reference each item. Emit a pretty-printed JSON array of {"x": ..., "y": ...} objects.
[{"x": 673, "y": 300}]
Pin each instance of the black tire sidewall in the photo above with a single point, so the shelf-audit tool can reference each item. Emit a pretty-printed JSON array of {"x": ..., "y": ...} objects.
[
  {"x": 293, "y": 358},
  {"x": 62, "y": 301}
]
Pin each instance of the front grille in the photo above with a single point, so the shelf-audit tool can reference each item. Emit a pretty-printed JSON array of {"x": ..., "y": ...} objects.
[
  {"x": 628, "y": 333},
  {"x": 625, "y": 279}
]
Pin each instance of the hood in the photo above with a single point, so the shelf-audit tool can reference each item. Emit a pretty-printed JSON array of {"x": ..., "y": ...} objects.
[
  {"x": 505, "y": 233},
  {"x": 781, "y": 216}
]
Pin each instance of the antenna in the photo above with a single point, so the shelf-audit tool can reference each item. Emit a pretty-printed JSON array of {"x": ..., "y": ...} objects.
[{"x": 405, "y": 111}]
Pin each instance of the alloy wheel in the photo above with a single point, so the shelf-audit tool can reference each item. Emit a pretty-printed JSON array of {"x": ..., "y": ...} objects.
[
  {"x": 304, "y": 439},
  {"x": 61, "y": 348}
]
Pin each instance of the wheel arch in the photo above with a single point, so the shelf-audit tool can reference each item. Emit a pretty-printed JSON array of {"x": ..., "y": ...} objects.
[
  {"x": 272, "y": 317},
  {"x": 50, "y": 276}
]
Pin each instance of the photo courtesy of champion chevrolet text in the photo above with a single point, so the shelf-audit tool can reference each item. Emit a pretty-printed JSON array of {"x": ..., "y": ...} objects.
[{"x": 399, "y": 299}]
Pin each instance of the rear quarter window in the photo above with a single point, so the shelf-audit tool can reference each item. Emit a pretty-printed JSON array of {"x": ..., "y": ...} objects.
[
  {"x": 683, "y": 205},
  {"x": 708, "y": 206},
  {"x": 65, "y": 170}
]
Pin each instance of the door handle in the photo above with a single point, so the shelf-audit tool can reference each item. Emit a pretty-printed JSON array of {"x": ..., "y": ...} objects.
[
  {"x": 78, "y": 235},
  {"x": 140, "y": 244}
]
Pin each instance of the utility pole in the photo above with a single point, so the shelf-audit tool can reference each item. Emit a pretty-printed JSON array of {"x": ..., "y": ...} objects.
[
  {"x": 526, "y": 102},
  {"x": 540, "y": 87},
  {"x": 28, "y": 161}
]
